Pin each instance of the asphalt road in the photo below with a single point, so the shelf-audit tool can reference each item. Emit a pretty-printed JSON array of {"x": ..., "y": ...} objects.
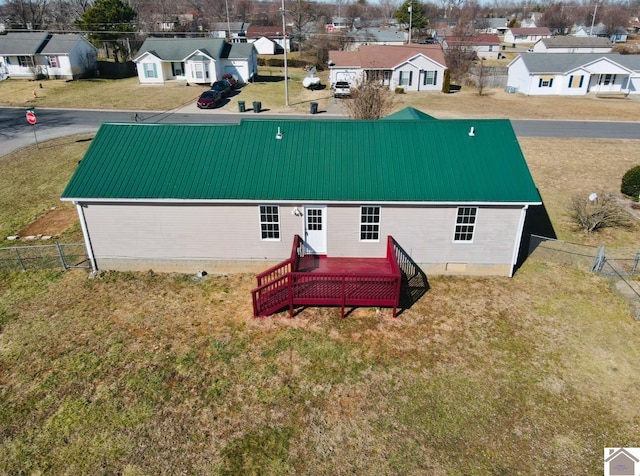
[{"x": 16, "y": 132}]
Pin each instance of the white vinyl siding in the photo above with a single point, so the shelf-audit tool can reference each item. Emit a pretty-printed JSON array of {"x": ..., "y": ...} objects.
[{"x": 172, "y": 233}]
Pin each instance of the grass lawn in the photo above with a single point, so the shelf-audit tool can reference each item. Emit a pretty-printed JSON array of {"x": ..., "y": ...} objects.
[{"x": 145, "y": 373}]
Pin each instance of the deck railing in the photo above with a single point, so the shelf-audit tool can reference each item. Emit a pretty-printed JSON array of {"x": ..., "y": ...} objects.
[{"x": 287, "y": 285}]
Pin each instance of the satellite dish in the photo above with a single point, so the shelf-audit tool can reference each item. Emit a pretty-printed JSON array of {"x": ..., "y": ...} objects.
[{"x": 593, "y": 197}]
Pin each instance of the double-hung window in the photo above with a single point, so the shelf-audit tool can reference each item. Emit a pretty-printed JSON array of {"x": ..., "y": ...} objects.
[
  {"x": 25, "y": 61},
  {"x": 430, "y": 78},
  {"x": 465, "y": 223},
  {"x": 150, "y": 70},
  {"x": 370, "y": 223},
  {"x": 405, "y": 78},
  {"x": 269, "y": 222},
  {"x": 53, "y": 61}
]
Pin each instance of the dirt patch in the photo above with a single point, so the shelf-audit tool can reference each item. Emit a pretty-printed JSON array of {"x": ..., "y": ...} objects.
[{"x": 52, "y": 223}]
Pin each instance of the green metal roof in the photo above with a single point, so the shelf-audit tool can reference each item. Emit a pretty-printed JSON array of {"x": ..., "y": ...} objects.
[
  {"x": 315, "y": 160},
  {"x": 409, "y": 114}
]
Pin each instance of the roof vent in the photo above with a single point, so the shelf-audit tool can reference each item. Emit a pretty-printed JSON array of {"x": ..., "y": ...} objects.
[
  {"x": 279, "y": 134},
  {"x": 472, "y": 131}
]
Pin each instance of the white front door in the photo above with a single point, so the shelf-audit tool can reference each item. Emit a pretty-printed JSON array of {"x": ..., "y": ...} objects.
[{"x": 315, "y": 229}]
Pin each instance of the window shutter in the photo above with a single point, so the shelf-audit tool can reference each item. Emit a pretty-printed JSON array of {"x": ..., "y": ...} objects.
[
  {"x": 410, "y": 77},
  {"x": 570, "y": 80},
  {"x": 581, "y": 79},
  {"x": 540, "y": 83},
  {"x": 435, "y": 77},
  {"x": 551, "y": 82}
]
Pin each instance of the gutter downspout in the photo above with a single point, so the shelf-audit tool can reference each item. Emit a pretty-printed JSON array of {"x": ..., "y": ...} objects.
[
  {"x": 516, "y": 248},
  {"x": 85, "y": 234}
]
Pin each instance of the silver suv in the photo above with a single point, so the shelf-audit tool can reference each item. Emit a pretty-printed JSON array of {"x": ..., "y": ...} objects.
[{"x": 341, "y": 89}]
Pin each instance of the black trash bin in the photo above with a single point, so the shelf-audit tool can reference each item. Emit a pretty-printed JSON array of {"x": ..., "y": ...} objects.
[
  {"x": 257, "y": 105},
  {"x": 314, "y": 108},
  {"x": 241, "y": 106}
]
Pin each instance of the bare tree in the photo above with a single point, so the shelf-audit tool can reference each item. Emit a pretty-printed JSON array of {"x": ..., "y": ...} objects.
[
  {"x": 302, "y": 14},
  {"x": 597, "y": 211},
  {"x": 28, "y": 14},
  {"x": 481, "y": 77},
  {"x": 370, "y": 100},
  {"x": 459, "y": 55},
  {"x": 613, "y": 18},
  {"x": 556, "y": 18}
]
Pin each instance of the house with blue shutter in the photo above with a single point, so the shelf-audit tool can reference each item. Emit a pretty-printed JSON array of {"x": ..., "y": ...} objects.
[{"x": 574, "y": 74}]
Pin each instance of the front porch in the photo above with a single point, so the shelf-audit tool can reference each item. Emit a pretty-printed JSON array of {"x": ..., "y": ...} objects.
[{"x": 313, "y": 280}]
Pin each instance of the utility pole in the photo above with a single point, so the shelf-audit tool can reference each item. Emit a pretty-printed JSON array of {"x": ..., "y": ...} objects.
[
  {"x": 593, "y": 20},
  {"x": 410, "y": 20},
  {"x": 286, "y": 70}
]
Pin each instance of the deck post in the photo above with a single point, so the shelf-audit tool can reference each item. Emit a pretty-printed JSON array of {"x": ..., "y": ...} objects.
[
  {"x": 290, "y": 291},
  {"x": 344, "y": 295}
]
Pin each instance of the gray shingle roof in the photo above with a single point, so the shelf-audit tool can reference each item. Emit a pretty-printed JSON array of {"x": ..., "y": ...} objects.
[
  {"x": 238, "y": 51},
  {"x": 172, "y": 49},
  {"x": 575, "y": 42},
  {"x": 22, "y": 43},
  {"x": 548, "y": 63},
  {"x": 61, "y": 44}
]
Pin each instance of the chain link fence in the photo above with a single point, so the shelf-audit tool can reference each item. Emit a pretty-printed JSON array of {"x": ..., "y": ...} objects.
[
  {"x": 621, "y": 266},
  {"x": 58, "y": 255}
]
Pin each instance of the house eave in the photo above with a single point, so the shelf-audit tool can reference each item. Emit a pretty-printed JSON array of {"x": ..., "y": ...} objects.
[{"x": 173, "y": 201}]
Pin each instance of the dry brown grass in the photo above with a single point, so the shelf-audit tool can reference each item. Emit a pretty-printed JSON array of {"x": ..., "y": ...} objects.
[{"x": 143, "y": 373}]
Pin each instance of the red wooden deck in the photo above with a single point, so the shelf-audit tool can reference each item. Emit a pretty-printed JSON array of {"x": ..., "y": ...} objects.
[{"x": 311, "y": 280}]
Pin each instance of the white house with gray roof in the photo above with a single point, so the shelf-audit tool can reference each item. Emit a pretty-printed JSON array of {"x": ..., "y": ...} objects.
[
  {"x": 574, "y": 74},
  {"x": 376, "y": 36},
  {"x": 572, "y": 44},
  {"x": 32, "y": 55},
  {"x": 194, "y": 60}
]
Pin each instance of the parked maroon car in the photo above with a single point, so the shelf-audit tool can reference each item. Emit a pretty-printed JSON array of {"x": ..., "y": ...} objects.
[
  {"x": 231, "y": 80},
  {"x": 209, "y": 99}
]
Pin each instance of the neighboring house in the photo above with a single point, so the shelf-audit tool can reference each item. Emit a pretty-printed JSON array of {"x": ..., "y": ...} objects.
[
  {"x": 32, "y": 55},
  {"x": 491, "y": 25},
  {"x": 269, "y": 40},
  {"x": 174, "y": 22},
  {"x": 234, "y": 32},
  {"x": 231, "y": 197},
  {"x": 339, "y": 24},
  {"x": 574, "y": 74},
  {"x": 377, "y": 36},
  {"x": 526, "y": 35},
  {"x": 532, "y": 20},
  {"x": 600, "y": 31},
  {"x": 485, "y": 45},
  {"x": 194, "y": 60},
  {"x": 412, "y": 67},
  {"x": 572, "y": 44}
]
